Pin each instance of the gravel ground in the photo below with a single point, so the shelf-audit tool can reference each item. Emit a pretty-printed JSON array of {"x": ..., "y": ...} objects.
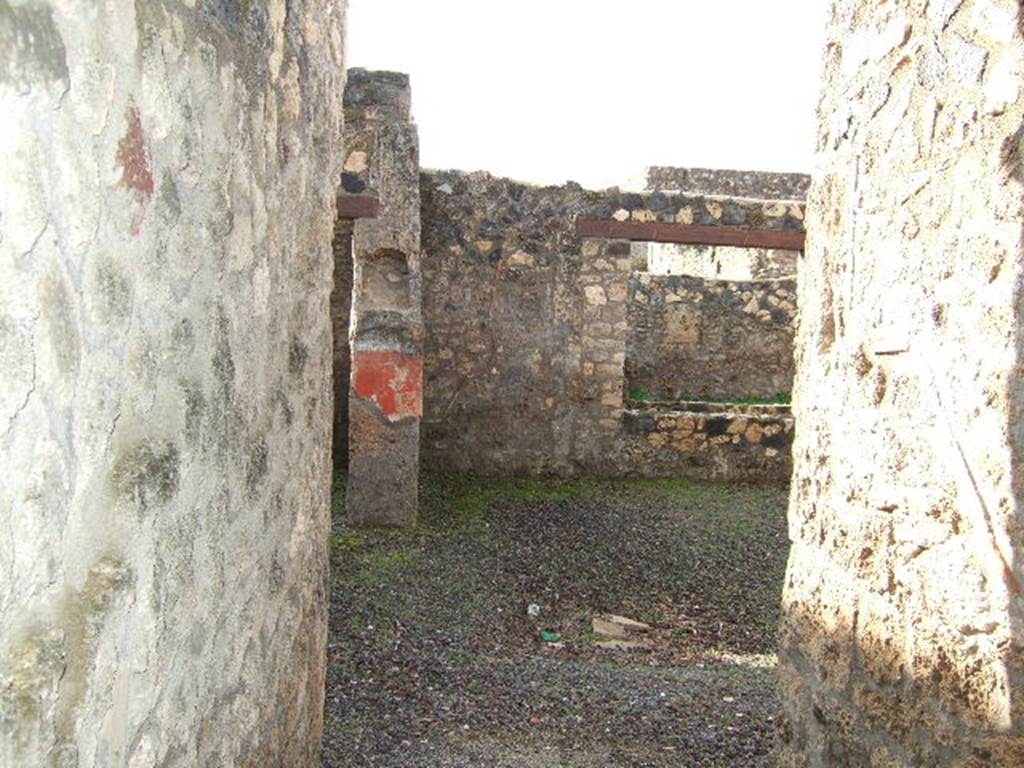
[{"x": 435, "y": 662}]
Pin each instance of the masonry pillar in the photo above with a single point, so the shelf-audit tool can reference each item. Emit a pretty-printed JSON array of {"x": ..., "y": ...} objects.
[
  {"x": 386, "y": 334},
  {"x": 902, "y": 636},
  {"x": 604, "y": 277}
]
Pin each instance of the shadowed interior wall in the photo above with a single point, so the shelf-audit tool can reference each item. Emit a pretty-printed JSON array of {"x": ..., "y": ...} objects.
[
  {"x": 167, "y": 206},
  {"x": 341, "y": 319},
  {"x": 902, "y": 633}
]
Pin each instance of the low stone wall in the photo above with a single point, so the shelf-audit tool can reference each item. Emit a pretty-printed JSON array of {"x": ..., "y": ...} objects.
[
  {"x": 709, "y": 440},
  {"x": 702, "y": 340}
]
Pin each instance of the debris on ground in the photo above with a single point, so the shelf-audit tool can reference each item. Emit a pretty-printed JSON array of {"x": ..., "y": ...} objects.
[{"x": 610, "y": 626}]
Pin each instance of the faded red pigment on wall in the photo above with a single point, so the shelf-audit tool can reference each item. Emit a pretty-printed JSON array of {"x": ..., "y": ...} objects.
[
  {"x": 133, "y": 157},
  {"x": 392, "y": 380}
]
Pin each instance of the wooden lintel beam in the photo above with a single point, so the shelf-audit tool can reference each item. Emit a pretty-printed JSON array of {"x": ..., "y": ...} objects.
[
  {"x": 358, "y": 207},
  {"x": 690, "y": 234}
]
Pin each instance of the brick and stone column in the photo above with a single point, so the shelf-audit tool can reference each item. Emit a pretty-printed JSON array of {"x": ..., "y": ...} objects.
[{"x": 386, "y": 333}]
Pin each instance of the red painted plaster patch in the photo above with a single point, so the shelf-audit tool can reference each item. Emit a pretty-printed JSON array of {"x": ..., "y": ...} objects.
[
  {"x": 392, "y": 380},
  {"x": 133, "y": 157}
]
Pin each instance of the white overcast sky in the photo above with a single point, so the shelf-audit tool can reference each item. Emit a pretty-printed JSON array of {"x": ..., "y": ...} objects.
[{"x": 596, "y": 90}]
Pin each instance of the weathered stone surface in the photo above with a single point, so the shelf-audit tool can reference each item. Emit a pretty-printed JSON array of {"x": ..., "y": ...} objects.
[
  {"x": 385, "y": 452},
  {"x": 386, "y": 335},
  {"x": 760, "y": 185},
  {"x": 503, "y": 346},
  {"x": 693, "y": 339},
  {"x": 166, "y": 200},
  {"x": 617, "y": 627},
  {"x": 903, "y": 614}
]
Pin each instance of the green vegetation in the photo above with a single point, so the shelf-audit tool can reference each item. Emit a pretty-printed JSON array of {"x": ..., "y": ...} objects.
[{"x": 639, "y": 394}]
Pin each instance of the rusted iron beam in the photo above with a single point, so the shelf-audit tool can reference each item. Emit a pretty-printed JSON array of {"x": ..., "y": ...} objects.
[
  {"x": 690, "y": 234},
  {"x": 358, "y": 207}
]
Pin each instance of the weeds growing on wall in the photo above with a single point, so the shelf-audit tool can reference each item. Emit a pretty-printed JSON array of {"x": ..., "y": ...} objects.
[{"x": 639, "y": 394}]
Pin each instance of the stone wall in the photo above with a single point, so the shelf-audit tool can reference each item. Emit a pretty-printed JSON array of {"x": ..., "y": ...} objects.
[
  {"x": 501, "y": 262},
  {"x": 710, "y": 441},
  {"x": 903, "y": 599},
  {"x": 597, "y": 384},
  {"x": 693, "y": 339},
  {"x": 758, "y": 185},
  {"x": 167, "y": 203},
  {"x": 526, "y": 324}
]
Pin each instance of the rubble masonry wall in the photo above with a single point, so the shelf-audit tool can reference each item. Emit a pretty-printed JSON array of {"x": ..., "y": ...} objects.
[
  {"x": 526, "y": 328},
  {"x": 902, "y": 634},
  {"x": 167, "y": 203}
]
